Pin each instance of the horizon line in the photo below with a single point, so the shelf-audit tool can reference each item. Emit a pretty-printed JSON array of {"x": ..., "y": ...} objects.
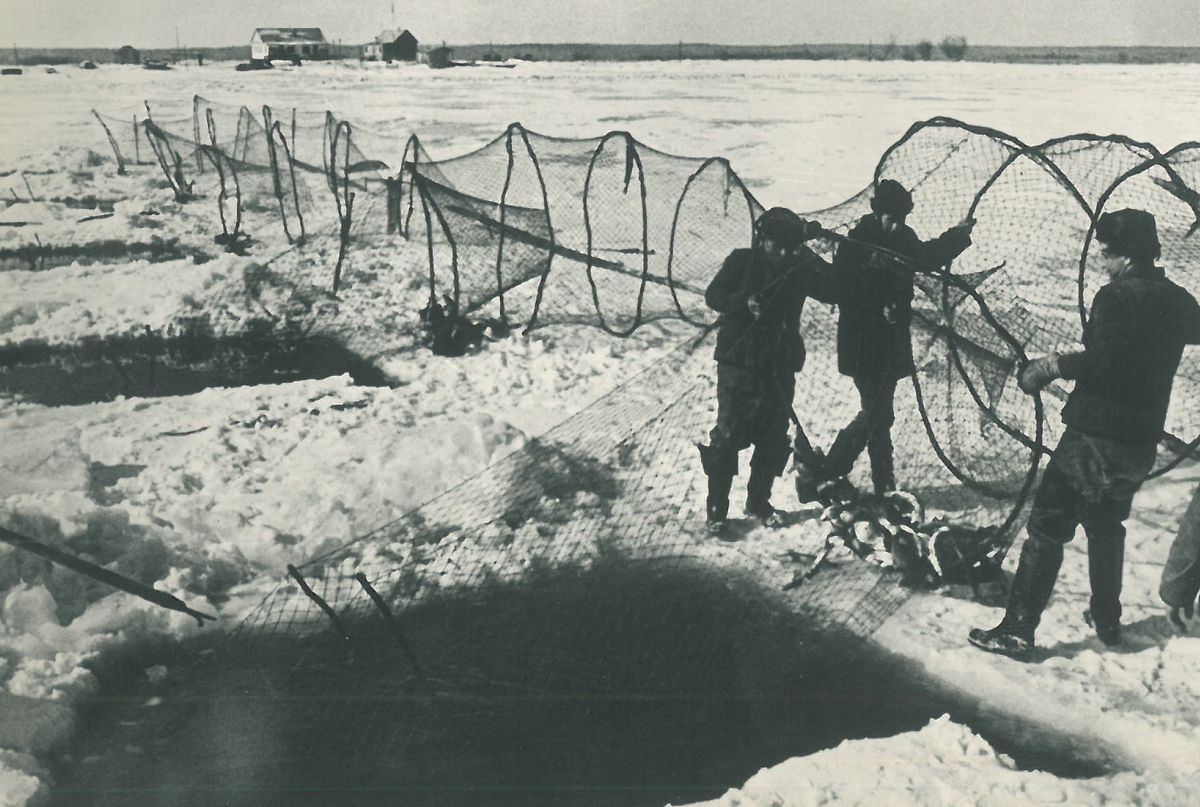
[{"x": 673, "y": 44}]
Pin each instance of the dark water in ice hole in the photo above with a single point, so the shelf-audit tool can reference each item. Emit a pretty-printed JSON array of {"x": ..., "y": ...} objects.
[
  {"x": 632, "y": 684},
  {"x": 148, "y": 365},
  {"x": 40, "y": 258}
]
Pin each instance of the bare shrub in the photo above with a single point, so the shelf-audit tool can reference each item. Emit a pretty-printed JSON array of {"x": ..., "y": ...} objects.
[{"x": 955, "y": 47}]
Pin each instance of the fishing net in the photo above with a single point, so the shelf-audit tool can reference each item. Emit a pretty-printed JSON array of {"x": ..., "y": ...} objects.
[
  {"x": 611, "y": 233},
  {"x": 564, "y": 606},
  {"x": 557, "y": 628}
]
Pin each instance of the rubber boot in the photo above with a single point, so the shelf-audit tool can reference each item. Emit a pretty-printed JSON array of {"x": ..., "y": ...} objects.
[
  {"x": 847, "y": 446},
  {"x": 808, "y": 483},
  {"x": 1031, "y": 588},
  {"x": 768, "y": 462},
  {"x": 883, "y": 473},
  {"x": 1106, "y": 560},
  {"x": 810, "y": 471},
  {"x": 716, "y": 507},
  {"x": 758, "y": 495},
  {"x": 720, "y": 468}
]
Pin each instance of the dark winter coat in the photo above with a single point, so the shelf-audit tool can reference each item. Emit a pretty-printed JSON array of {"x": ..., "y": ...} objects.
[
  {"x": 772, "y": 341},
  {"x": 1133, "y": 342},
  {"x": 1180, "y": 582},
  {"x": 872, "y": 345}
]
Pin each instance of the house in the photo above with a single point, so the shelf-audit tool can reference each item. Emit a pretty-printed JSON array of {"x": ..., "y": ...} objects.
[
  {"x": 392, "y": 46},
  {"x": 434, "y": 56},
  {"x": 128, "y": 54},
  {"x": 288, "y": 44}
]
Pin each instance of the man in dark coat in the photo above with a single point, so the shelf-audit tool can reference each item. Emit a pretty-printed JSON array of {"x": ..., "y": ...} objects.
[
  {"x": 760, "y": 294},
  {"x": 874, "y": 295},
  {"x": 1133, "y": 341}
]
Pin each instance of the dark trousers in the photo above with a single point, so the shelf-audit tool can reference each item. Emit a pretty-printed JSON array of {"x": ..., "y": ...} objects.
[
  {"x": 1089, "y": 481},
  {"x": 871, "y": 429},
  {"x": 753, "y": 409},
  {"x": 1180, "y": 582}
]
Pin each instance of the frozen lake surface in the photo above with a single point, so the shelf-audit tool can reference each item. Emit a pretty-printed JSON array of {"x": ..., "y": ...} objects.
[
  {"x": 215, "y": 491},
  {"x": 803, "y": 134}
]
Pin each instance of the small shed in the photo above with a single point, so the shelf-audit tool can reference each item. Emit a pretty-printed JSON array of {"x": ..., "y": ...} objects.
[
  {"x": 435, "y": 56},
  {"x": 288, "y": 44},
  {"x": 392, "y": 46},
  {"x": 128, "y": 54}
]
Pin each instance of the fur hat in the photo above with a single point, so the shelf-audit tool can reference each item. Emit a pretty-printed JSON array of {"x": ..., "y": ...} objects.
[
  {"x": 781, "y": 225},
  {"x": 1129, "y": 232},
  {"x": 891, "y": 197}
]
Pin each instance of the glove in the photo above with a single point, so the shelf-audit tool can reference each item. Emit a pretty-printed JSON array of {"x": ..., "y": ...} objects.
[
  {"x": 811, "y": 229},
  {"x": 957, "y": 239},
  {"x": 1038, "y": 373},
  {"x": 755, "y": 305}
]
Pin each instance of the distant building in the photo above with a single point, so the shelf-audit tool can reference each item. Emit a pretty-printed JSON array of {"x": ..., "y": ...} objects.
[
  {"x": 392, "y": 46},
  {"x": 128, "y": 54},
  {"x": 434, "y": 56},
  {"x": 288, "y": 44}
]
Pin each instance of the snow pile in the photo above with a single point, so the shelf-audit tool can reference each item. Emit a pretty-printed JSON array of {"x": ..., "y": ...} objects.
[
  {"x": 66, "y": 305},
  {"x": 20, "y": 779},
  {"x": 942, "y": 764}
]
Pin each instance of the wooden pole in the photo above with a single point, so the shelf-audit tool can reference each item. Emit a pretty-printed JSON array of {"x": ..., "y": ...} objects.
[{"x": 147, "y": 593}]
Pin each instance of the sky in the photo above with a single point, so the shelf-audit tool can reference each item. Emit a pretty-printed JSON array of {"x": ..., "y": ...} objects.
[{"x": 153, "y": 23}]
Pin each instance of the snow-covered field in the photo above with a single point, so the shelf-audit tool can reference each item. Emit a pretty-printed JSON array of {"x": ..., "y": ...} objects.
[{"x": 209, "y": 495}]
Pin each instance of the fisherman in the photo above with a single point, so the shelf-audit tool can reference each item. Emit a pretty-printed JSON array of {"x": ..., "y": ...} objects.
[
  {"x": 760, "y": 294},
  {"x": 873, "y": 270},
  {"x": 1180, "y": 584},
  {"x": 1133, "y": 341}
]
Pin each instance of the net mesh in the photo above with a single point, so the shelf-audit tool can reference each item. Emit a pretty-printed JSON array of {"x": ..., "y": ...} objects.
[
  {"x": 535, "y": 231},
  {"x": 538, "y": 579}
]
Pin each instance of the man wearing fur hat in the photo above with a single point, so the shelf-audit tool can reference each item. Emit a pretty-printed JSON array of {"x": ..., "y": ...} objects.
[
  {"x": 874, "y": 293},
  {"x": 760, "y": 294},
  {"x": 1133, "y": 341}
]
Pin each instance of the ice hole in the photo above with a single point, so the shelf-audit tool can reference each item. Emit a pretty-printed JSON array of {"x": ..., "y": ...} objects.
[
  {"x": 149, "y": 365},
  {"x": 630, "y": 683},
  {"x": 39, "y": 258}
]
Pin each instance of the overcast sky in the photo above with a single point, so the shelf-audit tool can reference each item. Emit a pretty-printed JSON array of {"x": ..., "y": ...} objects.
[{"x": 153, "y": 23}]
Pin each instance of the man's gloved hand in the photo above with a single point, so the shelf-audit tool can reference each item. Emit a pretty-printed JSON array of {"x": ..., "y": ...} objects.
[
  {"x": 755, "y": 305},
  {"x": 1177, "y": 620},
  {"x": 958, "y": 238},
  {"x": 811, "y": 229},
  {"x": 1038, "y": 373}
]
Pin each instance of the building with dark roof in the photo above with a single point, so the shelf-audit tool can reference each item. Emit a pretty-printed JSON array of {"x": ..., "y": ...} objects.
[
  {"x": 288, "y": 44},
  {"x": 392, "y": 46},
  {"x": 435, "y": 56}
]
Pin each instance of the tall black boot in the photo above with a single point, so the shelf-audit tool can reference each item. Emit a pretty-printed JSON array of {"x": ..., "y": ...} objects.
[
  {"x": 1031, "y": 589},
  {"x": 758, "y": 493},
  {"x": 720, "y": 466},
  {"x": 883, "y": 470},
  {"x": 1106, "y": 561},
  {"x": 767, "y": 463},
  {"x": 847, "y": 446},
  {"x": 810, "y": 473},
  {"x": 716, "y": 506}
]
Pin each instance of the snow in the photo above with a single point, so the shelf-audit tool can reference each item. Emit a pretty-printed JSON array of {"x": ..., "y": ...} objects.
[
  {"x": 20, "y": 779},
  {"x": 209, "y": 495},
  {"x": 942, "y": 764}
]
